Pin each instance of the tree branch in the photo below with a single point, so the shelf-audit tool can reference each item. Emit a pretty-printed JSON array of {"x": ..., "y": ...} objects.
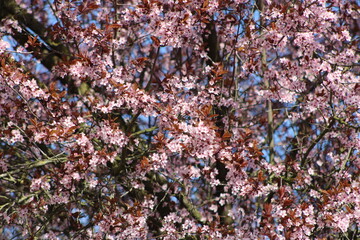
[
  {"x": 49, "y": 54},
  {"x": 313, "y": 144}
]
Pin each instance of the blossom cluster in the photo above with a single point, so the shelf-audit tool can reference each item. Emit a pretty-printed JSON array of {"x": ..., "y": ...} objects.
[{"x": 186, "y": 119}]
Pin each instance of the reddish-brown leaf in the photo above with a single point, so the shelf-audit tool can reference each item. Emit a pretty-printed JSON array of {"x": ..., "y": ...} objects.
[{"x": 155, "y": 40}]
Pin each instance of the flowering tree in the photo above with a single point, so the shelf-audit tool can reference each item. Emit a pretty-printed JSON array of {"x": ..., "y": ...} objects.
[{"x": 187, "y": 119}]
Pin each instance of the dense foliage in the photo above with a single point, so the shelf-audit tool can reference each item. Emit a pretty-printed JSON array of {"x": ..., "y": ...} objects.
[{"x": 186, "y": 119}]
